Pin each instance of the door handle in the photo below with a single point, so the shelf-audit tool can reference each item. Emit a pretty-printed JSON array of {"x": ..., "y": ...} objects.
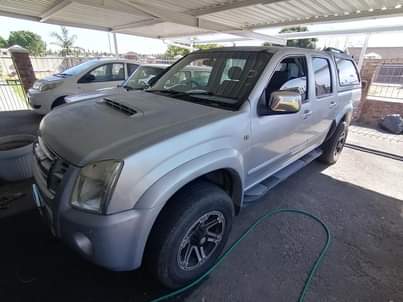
[
  {"x": 332, "y": 104},
  {"x": 307, "y": 113}
]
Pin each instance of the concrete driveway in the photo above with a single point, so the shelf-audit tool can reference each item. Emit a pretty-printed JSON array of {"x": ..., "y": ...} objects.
[{"x": 360, "y": 198}]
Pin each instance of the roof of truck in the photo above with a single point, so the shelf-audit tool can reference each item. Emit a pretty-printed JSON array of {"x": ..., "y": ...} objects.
[{"x": 273, "y": 49}]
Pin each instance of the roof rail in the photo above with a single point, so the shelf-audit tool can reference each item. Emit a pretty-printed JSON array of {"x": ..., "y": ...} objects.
[{"x": 332, "y": 49}]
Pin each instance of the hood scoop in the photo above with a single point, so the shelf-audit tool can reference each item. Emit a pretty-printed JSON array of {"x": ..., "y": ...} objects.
[{"x": 119, "y": 107}]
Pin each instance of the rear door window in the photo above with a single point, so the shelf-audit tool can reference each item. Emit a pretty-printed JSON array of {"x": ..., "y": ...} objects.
[
  {"x": 117, "y": 72},
  {"x": 348, "y": 73},
  {"x": 323, "y": 77}
]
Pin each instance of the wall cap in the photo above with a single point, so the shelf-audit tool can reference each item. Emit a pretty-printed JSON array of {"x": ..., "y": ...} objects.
[{"x": 17, "y": 49}]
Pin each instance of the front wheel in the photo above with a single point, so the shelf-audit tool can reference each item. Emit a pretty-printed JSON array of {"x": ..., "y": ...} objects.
[
  {"x": 190, "y": 234},
  {"x": 332, "y": 147}
]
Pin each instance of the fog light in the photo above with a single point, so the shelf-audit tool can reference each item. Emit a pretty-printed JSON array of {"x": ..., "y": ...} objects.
[{"x": 83, "y": 243}]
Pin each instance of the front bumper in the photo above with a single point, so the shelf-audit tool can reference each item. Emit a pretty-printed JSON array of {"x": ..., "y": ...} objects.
[
  {"x": 41, "y": 101},
  {"x": 115, "y": 241}
]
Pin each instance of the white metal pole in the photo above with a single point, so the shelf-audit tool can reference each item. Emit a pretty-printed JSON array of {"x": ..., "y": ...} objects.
[
  {"x": 115, "y": 42},
  {"x": 109, "y": 42},
  {"x": 346, "y": 41},
  {"x": 363, "y": 51}
]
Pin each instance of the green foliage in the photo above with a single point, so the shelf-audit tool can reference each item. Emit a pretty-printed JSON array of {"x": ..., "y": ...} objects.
[
  {"x": 28, "y": 40},
  {"x": 3, "y": 42},
  {"x": 64, "y": 41},
  {"x": 207, "y": 46},
  {"x": 174, "y": 51},
  {"x": 302, "y": 43}
]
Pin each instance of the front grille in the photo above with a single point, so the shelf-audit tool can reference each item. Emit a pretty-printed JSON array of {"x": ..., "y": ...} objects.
[{"x": 52, "y": 168}]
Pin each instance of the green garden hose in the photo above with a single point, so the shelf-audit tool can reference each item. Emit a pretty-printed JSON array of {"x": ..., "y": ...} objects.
[{"x": 228, "y": 251}]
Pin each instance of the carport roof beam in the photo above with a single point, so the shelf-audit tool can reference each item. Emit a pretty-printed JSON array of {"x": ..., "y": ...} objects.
[
  {"x": 173, "y": 18},
  {"x": 313, "y": 34},
  {"x": 54, "y": 9},
  {"x": 336, "y": 18}
]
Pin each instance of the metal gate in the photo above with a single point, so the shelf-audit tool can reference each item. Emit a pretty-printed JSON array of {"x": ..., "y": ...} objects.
[
  {"x": 388, "y": 82},
  {"x": 12, "y": 93}
]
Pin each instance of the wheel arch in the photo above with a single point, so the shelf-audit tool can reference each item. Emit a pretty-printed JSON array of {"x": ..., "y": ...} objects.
[
  {"x": 225, "y": 173},
  {"x": 54, "y": 103},
  {"x": 343, "y": 117}
]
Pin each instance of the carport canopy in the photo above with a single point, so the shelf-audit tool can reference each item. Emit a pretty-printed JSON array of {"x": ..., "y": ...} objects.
[{"x": 169, "y": 19}]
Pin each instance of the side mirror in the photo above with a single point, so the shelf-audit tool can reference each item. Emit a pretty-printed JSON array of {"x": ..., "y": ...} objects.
[{"x": 285, "y": 101}]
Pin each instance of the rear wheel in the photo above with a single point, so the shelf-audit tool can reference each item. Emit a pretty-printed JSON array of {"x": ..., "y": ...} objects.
[
  {"x": 190, "y": 234},
  {"x": 332, "y": 147}
]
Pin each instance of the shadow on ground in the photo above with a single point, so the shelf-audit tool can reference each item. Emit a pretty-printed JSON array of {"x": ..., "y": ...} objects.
[{"x": 364, "y": 263}]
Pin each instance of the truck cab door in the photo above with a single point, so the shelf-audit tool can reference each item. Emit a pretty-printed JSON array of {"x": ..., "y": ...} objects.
[
  {"x": 324, "y": 97},
  {"x": 279, "y": 139}
]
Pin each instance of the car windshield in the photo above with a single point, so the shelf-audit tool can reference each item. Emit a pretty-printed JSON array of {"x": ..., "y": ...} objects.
[
  {"x": 139, "y": 79},
  {"x": 78, "y": 69},
  {"x": 219, "y": 79}
]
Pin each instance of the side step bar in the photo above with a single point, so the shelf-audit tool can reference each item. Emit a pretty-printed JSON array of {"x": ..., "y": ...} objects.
[{"x": 257, "y": 191}]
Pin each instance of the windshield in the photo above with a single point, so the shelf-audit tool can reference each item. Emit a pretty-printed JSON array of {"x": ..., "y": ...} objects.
[
  {"x": 220, "y": 79},
  {"x": 139, "y": 79},
  {"x": 75, "y": 70}
]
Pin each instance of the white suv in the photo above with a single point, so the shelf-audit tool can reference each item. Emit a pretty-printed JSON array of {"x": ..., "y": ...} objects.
[{"x": 50, "y": 92}]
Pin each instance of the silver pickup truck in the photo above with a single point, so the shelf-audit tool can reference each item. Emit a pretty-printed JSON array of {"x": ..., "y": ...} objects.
[{"x": 155, "y": 178}]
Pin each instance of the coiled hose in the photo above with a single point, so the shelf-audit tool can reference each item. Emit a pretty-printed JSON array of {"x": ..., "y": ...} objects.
[{"x": 315, "y": 266}]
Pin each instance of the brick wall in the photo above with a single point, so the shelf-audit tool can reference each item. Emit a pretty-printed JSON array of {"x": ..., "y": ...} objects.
[
  {"x": 371, "y": 111},
  {"x": 23, "y": 66}
]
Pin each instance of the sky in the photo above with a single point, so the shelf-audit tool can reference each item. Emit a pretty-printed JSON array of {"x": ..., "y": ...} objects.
[
  {"x": 86, "y": 38},
  {"x": 98, "y": 40}
]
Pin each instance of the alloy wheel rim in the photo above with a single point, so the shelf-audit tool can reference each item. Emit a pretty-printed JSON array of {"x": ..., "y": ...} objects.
[
  {"x": 201, "y": 240},
  {"x": 340, "y": 143}
]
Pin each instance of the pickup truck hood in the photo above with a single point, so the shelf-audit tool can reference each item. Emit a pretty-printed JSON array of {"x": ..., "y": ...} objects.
[{"x": 106, "y": 128}]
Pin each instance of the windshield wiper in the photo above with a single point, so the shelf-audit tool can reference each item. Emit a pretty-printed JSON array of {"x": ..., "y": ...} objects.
[
  {"x": 128, "y": 88},
  {"x": 200, "y": 93},
  {"x": 180, "y": 93},
  {"x": 168, "y": 91}
]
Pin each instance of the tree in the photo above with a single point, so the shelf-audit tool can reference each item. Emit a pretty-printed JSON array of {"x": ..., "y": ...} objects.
[
  {"x": 207, "y": 46},
  {"x": 28, "y": 40},
  {"x": 302, "y": 43},
  {"x": 64, "y": 41},
  {"x": 3, "y": 42},
  {"x": 174, "y": 51}
]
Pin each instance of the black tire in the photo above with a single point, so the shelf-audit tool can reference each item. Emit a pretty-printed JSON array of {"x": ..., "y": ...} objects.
[
  {"x": 58, "y": 102},
  {"x": 333, "y": 146},
  {"x": 166, "y": 246}
]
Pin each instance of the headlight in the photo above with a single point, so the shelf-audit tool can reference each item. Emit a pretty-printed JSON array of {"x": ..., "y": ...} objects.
[
  {"x": 95, "y": 184},
  {"x": 37, "y": 85},
  {"x": 44, "y": 86},
  {"x": 49, "y": 86}
]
